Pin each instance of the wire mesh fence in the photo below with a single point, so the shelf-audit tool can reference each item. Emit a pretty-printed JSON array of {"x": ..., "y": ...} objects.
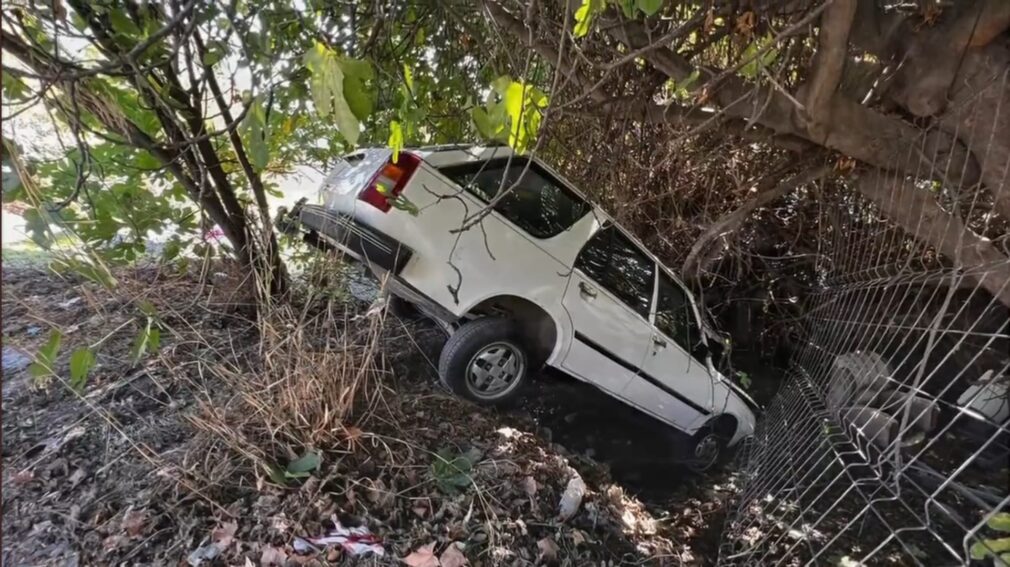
[{"x": 889, "y": 443}]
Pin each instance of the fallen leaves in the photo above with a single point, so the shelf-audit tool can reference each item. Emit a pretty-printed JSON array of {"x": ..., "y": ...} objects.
[
  {"x": 134, "y": 522},
  {"x": 548, "y": 550},
  {"x": 273, "y": 556},
  {"x": 423, "y": 556},
  {"x": 223, "y": 535},
  {"x": 453, "y": 557}
]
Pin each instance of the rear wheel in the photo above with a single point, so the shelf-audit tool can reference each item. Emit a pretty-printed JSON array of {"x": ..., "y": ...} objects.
[{"x": 485, "y": 361}]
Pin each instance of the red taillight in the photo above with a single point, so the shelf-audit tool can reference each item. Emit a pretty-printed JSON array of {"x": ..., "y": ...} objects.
[{"x": 389, "y": 182}]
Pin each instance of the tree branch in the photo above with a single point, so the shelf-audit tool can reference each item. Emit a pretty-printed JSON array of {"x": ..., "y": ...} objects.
[
  {"x": 919, "y": 214},
  {"x": 829, "y": 61},
  {"x": 768, "y": 189}
]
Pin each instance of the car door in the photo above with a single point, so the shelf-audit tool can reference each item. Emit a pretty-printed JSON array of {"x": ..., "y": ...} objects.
[
  {"x": 674, "y": 384},
  {"x": 608, "y": 298}
]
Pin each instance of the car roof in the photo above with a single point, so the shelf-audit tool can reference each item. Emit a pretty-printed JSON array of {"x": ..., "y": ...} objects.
[{"x": 456, "y": 154}]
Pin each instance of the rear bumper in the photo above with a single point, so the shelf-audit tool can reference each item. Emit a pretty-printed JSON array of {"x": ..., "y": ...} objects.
[{"x": 372, "y": 247}]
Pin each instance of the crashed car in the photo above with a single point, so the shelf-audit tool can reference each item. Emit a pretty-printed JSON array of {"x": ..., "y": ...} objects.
[{"x": 525, "y": 272}]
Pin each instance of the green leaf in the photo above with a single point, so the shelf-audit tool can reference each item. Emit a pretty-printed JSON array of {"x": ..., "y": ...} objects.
[
  {"x": 1000, "y": 522},
  {"x": 305, "y": 464},
  {"x": 395, "y": 139},
  {"x": 987, "y": 547},
  {"x": 408, "y": 78},
  {"x": 147, "y": 340},
  {"x": 585, "y": 15},
  {"x": 45, "y": 359},
  {"x": 215, "y": 52},
  {"x": 649, "y": 7},
  {"x": 755, "y": 63},
  {"x": 327, "y": 87},
  {"x": 81, "y": 362},
  {"x": 277, "y": 475},
  {"x": 13, "y": 87},
  {"x": 255, "y": 130},
  {"x": 360, "y": 97},
  {"x": 628, "y": 8},
  {"x": 122, "y": 24}
]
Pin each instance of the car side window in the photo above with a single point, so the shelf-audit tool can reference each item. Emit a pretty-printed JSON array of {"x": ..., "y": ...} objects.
[
  {"x": 674, "y": 316},
  {"x": 536, "y": 203},
  {"x": 613, "y": 261}
]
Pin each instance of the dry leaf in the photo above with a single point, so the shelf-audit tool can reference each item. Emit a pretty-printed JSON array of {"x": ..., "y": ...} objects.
[
  {"x": 133, "y": 522},
  {"x": 24, "y": 477},
  {"x": 420, "y": 511},
  {"x": 578, "y": 538},
  {"x": 548, "y": 550},
  {"x": 423, "y": 556},
  {"x": 272, "y": 556},
  {"x": 224, "y": 534},
  {"x": 453, "y": 557},
  {"x": 530, "y": 486}
]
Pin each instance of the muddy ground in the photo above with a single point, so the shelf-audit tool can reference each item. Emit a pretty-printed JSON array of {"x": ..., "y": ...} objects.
[{"x": 123, "y": 472}]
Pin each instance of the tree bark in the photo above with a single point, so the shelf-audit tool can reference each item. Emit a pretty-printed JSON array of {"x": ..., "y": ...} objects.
[{"x": 918, "y": 213}]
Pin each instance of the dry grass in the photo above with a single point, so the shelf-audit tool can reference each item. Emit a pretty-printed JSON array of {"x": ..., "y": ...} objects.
[{"x": 315, "y": 372}]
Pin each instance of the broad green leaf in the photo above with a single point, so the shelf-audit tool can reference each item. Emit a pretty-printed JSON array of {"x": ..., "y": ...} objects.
[
  {"x": 523, "y": 106},
  {"x": 359, "y": 95},
  {"x": 987, "y": 547},
  {"x": 1000, "y": 522},
  {"x": 395, "y": 139},
  {"x": 585, "y": 15},
  {"x": 408, "y": 77},
  {"x": 628, "y": 8},
  {"x": 45, "y": 359},
  {"x": 81, "y": 362},
  {"x": 307, "y": 463},
  {"x": 327, "y": 86},
  {"x": 649, "y": 7},
  {"x": 256, "y": 133}
]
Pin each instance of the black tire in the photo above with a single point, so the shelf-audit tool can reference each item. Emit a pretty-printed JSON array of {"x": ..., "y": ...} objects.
[
  {"x": 487, "y": 337},
  {"x": 707, "y": 450}
]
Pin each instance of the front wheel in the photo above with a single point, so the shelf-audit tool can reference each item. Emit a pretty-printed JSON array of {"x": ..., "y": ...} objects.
[
  {"x": 708, "y": 450},
  {"x": 485, "y": 361}
]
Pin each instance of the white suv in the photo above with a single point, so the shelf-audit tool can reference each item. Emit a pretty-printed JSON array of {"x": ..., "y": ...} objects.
[{"x": 543, "y": 277}]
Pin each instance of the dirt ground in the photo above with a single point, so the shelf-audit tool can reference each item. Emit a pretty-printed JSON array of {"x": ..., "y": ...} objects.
[{"x": 123, "y": 472}]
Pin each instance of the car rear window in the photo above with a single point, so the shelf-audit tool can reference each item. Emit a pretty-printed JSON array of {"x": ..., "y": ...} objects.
[{"x": 535, "y": 201}]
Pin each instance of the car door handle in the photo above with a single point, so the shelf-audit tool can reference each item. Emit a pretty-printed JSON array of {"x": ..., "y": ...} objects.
[
  {"x": 658, "y": 341},
  {"x": 587, "y": 290}
]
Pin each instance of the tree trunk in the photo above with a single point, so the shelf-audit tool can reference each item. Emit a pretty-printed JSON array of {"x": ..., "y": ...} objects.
[{"x": 918, "y": 213}]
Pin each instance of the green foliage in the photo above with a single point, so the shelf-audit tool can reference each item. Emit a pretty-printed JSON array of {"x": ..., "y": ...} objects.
[
  {"x": 395, "y": 139},
  {"x": 255, "y": 134},
  {"x": 148, "y": 340},
  {"x": 998, "y": 549},
  {"x": 301, "y": 467},
  {"x": 81, "y": 362},
  {"x": 585, "y": 15},
  {"x": 512, "y": 114},
  {"x": 304, "y": 465},
  {"x": 339, "y": 85},
  {"x": 649, "y": 7},
  {"x": 45, "y": 359},
  {"x": 451, "y": 473},
  {"x": 755, "y": 63}
]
